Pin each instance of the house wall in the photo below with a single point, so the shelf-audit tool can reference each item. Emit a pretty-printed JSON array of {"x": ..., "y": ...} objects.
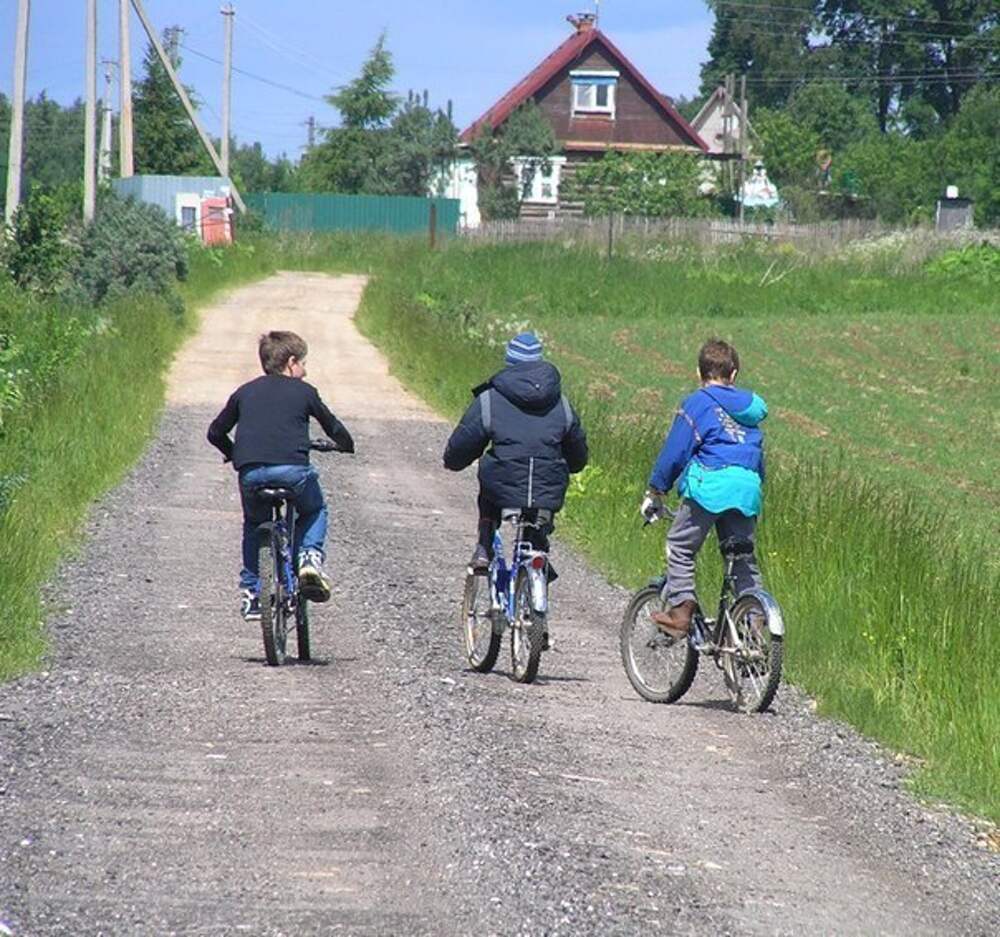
[
  {"x": 168, "y": 192},
  {"x": 637, "y": 121}
]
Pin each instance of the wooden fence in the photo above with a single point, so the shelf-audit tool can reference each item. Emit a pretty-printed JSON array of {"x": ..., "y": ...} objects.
[{"x": 609, "y": 230}]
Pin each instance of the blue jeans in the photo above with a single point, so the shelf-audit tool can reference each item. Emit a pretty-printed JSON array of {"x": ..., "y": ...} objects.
[{"x": 310, "y": 509}]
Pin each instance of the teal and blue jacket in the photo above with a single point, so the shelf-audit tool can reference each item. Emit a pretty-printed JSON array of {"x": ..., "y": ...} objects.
[{"x": 715, "y": 450}]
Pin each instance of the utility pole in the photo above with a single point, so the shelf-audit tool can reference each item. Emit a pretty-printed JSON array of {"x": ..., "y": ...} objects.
[
  {"x": 104, "y": 161},
  {"x": 90, "y": 117},
  {"x": 126, "y": 166},
  {"x": 15, "y": 148},
  {"x": 168, "y": 65},
  {"x": 743, "y": 138},
  {"x": 311, "y": 131},
  {"x": 227, "y": 73}
]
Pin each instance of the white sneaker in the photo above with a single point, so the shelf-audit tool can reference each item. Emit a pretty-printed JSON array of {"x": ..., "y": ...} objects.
[{"x": 313, "y": 584}]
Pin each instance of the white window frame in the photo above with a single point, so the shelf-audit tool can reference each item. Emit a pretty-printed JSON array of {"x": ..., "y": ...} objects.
[
  {"x": 540, "y": 181},
  {"x": 188, "y": 200},
  {"x": 584, "y": 96}
]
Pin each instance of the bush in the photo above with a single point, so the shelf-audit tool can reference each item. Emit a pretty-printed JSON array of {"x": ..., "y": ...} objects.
[
  {"x": 646, "y": 184},
  {"x": 40, "y": 253},
  {"x": 130, "y": 247}
]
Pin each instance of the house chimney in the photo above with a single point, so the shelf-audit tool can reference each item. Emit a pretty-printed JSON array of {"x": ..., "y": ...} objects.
[{"x": 584, "y": 22}]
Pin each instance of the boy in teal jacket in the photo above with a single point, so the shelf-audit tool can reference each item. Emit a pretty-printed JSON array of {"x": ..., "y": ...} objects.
[{"x": 715, "y": 453}]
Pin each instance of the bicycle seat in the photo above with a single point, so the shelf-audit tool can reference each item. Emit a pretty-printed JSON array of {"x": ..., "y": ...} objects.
[
  {"x": 531, "y": 516},
  {"x": 736, "y": 546},
  {"x": 273, "y": 495}
]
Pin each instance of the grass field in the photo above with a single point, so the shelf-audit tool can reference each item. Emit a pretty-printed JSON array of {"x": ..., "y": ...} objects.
[{"x": 882, "y": 496}]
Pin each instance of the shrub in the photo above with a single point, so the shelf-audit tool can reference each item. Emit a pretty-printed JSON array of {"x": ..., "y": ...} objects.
[
  {"x": 40, "y": 252},
  {"x": 130, "y": 247}
]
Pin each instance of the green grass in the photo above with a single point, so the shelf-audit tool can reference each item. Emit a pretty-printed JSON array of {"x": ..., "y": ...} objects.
[{"x": 881, "y": 494}]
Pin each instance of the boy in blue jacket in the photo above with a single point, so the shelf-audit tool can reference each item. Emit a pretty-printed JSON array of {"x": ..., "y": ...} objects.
[{"x": 715, "y": 453}]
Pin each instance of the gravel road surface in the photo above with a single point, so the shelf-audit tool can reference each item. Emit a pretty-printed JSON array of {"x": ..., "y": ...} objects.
[{"x": 157, "y": 778}]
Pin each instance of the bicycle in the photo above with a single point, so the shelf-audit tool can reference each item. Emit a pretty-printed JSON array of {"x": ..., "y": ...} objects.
[
  {"x": 745, "y": 641},
  {"x": 280, "y": 601},
  {"x": 514, "y": 596}
]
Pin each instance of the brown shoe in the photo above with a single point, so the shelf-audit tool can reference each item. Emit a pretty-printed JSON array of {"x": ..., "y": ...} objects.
[{"x": 677, "y": 620}]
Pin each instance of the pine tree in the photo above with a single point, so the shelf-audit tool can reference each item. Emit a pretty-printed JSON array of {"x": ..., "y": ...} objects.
[{"x": 165, "y": 141}]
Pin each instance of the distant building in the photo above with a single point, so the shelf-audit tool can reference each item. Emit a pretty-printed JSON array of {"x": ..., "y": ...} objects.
[
  {"x": 201, "y": 205},
  {"x": 953, "y": 213},
  {"x": 596, "y": 101},
  {"x": 722, "y": 140}
]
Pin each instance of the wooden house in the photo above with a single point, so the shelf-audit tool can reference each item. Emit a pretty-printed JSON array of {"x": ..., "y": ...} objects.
[
  {"x": 596, "y": 101},
  {"x": 718, "y": 125}
]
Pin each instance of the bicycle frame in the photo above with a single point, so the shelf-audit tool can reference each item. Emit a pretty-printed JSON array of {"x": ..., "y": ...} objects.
[
  {"x": 283, "y": 521},
  {"x": 503, "y": 578}
]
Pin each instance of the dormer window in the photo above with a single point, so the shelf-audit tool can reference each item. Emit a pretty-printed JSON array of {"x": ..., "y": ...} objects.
[{"x": 594, "y": 91}]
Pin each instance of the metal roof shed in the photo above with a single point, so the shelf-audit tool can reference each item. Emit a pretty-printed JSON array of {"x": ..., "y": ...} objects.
[{"x": 180, "y": 197}]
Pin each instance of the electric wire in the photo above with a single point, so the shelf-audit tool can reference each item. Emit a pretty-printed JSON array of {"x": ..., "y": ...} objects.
[{"x": 254, "y": 77}]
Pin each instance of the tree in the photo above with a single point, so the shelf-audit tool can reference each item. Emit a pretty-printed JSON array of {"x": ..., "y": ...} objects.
[
  {"x": 527, "y": 136},
  {"x": 165, "y": 141},
  {"x": 380, "y": 147},
  {"x": 347, "y": 160},
  {"x": 421, "y": 143},
  {"x": 970, "y": 152},
  {"x": 835, "y": 116},
  {"x": 767, "y": 42},
  {"x": 252, "y": 171},
  {"x": 646, "y": 184}
]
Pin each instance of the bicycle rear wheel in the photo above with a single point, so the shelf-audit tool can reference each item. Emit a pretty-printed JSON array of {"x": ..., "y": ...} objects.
[
  {"x": 659, "y": 667},
  {"x": 302, "y": 628},
  {"x": 527, "y": 633},
  {"x": 752, "y": 666},
  {"x": 482, "y": 643},
  {"x": 273, "y": 625}
]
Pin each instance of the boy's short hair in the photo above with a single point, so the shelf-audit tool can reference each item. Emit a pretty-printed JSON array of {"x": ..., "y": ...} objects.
[
  {"x": 717, "y": 360},
  {"x": 275, "y": 348}
]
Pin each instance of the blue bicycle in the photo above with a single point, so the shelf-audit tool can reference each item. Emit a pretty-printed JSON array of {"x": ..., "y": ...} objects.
[
  {"x": 512, "y": 595},
  {"x": 281, "y": 603}
]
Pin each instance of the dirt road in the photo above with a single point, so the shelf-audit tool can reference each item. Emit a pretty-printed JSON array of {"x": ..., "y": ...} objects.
[{"x": 157, "y": 778}]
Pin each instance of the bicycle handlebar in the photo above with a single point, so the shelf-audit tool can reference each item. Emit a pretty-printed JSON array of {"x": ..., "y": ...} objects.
[{"x": 321, "y": 444}]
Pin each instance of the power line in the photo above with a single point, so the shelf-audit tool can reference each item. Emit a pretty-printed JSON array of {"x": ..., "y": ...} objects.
[
  {"x": 260, "y": 78},
  {"x": 754, "y": 7}
]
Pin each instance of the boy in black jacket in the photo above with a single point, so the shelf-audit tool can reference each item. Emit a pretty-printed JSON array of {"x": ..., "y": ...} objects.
[
  {"x": 271, "y": 415},
  {"x": 534, "y": 436}
]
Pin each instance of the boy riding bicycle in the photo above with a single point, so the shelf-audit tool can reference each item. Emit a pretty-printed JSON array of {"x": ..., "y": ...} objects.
[
  {"x": 535, "y": 441},
  {"x": 271, "y": 415},
  {"x": 715, "y": 453}
]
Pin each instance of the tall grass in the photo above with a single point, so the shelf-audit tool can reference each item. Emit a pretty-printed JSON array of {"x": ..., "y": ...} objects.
[{"x": 889, "y": 620}]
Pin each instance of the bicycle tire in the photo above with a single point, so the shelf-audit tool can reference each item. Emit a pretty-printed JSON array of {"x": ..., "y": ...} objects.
[
  {"x": 527, "y": 633},
  {"x": 302, "y": 629},
  {"x": 647, "y": 652},
  {"x": 753, "y": 671},
  {"x": 272, "y": 605},
  {"x": 477, "y": 617}
]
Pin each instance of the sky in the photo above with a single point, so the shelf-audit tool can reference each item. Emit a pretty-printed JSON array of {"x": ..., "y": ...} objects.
[{"x": 467, "y": 51}]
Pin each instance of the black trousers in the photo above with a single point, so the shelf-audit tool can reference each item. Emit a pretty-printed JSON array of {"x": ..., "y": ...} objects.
[{"x": 489, "y": 521}]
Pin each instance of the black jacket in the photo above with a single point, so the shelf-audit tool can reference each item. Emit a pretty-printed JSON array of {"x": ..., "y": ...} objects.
[
  {"x": 534, "y": 436},
  {"x": 271, "y": 416}
]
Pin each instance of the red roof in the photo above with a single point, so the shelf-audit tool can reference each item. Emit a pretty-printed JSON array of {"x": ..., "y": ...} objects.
[{"x": 553, "y": 64}]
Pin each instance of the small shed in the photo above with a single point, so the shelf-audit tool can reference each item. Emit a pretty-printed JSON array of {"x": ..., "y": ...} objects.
[
  {"x": 953, "y": 213},
  {"x": 201, "y": 205}
]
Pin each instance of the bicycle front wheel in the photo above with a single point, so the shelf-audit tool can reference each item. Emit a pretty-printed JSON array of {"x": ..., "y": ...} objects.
[
  {"x": 482, "y": 642},
  {"x": 752, "y": 662},
  {"x": 273, "y": 625},
  {"x": 659, "y": 667},
  {"x": 527, "y": 633}
]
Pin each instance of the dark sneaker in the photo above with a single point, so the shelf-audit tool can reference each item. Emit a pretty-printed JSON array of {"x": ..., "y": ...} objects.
[
  {"x": 480, "y": 562},
  {"x": 250, "y": 605},
  {"x": 313, "y": 584},
  {"x": 676, "y": 621}
]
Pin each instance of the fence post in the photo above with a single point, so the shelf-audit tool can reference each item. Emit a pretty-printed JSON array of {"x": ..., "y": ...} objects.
[
  {"x": 611, "y": 234},
  {"x": 433, "y": 219}
]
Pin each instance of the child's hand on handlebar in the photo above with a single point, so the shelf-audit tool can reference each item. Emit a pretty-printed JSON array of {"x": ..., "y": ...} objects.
[{"x": 652, "y": 507}]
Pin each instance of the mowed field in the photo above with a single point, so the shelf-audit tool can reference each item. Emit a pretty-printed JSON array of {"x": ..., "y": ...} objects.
[{"x": 881, "y": 499}]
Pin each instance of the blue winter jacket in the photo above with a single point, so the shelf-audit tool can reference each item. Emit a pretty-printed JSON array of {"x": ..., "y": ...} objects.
[{"x": 715, "y": 450}]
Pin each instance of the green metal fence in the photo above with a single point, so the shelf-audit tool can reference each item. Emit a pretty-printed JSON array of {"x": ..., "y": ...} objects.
[{"x": 399, "y": 214}]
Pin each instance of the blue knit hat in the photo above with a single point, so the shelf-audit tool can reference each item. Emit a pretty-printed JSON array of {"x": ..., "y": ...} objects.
[{"x": 524, "y": 347}]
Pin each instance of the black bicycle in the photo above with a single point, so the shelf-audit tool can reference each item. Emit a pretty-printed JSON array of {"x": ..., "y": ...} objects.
[
  {"x": 745, "y": 640},
  {"x": 281, "y": 603}
]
